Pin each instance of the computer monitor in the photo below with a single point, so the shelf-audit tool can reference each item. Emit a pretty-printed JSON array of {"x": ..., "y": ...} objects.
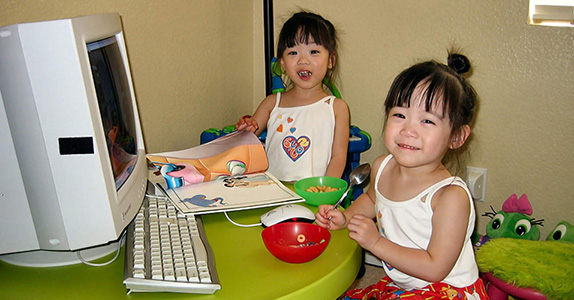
[{"x": 75, "y": 171}]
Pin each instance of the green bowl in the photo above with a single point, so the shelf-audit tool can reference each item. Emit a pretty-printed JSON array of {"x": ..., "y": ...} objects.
[{"x": 318, "y": 198}]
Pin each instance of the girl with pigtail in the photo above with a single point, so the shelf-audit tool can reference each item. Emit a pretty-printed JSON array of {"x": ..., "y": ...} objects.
[{"x": 416, "y": 217}]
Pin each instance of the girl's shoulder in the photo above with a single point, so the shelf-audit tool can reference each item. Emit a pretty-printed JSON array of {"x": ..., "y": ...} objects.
[
  {"x": 377, "y": 164},
  {"x": 451, "y": 196},
  {"x": 341, "y": 108},
  {"x": 340, "y": 103},
  {"x": 269, "y": 101}
]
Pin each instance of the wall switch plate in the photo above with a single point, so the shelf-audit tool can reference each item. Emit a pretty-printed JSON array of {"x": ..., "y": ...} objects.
[{"x": 476, "y": 182}]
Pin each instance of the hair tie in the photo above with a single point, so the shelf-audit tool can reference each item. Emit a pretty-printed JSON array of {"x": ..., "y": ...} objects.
[{"x": 459, "y": 63}]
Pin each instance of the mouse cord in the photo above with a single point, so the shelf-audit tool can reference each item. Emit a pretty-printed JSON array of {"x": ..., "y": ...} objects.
[
  {"x": 120, "y": 242},
  {"x": 240, "y": 225}
]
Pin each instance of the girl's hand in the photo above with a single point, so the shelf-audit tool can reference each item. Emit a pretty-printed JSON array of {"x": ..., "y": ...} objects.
[
  {"x": 364, "y": 231},
  {"x": 247, "y": 123},
  {"x": 330, "y": 218}
]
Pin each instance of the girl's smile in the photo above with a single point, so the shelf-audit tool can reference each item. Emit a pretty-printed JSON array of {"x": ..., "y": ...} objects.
[
  {"x": 305, "y": 75},
  {"x": 306, "y": 64},
  {"x": 417, "y": 136}
]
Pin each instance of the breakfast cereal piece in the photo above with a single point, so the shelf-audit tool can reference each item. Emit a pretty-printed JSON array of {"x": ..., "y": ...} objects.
[{"x": 321, "y": 189}]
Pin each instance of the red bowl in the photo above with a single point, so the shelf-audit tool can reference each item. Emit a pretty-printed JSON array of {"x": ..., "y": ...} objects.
[{"x": 296, "y": 242}]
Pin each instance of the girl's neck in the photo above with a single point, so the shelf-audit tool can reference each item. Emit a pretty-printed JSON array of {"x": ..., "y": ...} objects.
[
  {"x": 403, "y": 183},
  {"x": 298, "y": 97}
]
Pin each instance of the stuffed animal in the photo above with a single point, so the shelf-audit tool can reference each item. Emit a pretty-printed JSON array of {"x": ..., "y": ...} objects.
[
  {"x": 563, "y": 232},
  {"x": 543, "y": 266},
  {"x": 512, "y": 253},
  {"x": 514, "y": 220}
]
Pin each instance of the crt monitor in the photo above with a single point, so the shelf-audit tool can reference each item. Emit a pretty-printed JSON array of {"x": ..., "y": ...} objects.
[{"x": 75, "y": 171}]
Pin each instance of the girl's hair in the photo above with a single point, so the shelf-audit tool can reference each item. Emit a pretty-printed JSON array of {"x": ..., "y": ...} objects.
[
  {"x": 443, "y": 82},
  {"x": 305, "y": 27}
]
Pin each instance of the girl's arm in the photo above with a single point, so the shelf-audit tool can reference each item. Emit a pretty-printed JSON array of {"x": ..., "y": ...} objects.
[
  {"x": 364, "y": 205},
  {"x": 450, "y": 219},
  {"x": 340, "y": 141},
  {"x": 258, "y": 122}
]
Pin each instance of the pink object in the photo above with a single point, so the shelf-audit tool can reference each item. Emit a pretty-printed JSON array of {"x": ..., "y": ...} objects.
[
  {"x": 517, "y": 205},
  {"x": 189, "y": 174},
  {"x": 296, "y": 242},
  {"x": 500, "y": 290}
]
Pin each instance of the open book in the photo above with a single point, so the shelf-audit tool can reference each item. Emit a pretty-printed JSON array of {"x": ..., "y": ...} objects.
[
  {"x": 228, "y": 193},
  {"x": 225, "y": 174}
]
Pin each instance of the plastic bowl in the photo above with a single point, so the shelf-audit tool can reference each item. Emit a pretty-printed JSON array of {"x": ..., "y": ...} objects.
[
  {"x": 317, "y": 198},
  {"x": 296, "y": 242}
]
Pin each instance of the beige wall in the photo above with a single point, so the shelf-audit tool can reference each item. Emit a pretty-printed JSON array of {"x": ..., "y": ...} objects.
[{"x": 199, "y": 64}]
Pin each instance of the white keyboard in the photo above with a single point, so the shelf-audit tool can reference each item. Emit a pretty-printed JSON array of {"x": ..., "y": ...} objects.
[{"x": 168, "y": 252}]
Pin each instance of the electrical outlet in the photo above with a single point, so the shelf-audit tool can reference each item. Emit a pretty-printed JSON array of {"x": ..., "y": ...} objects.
[{"x": 476, "y": 182}]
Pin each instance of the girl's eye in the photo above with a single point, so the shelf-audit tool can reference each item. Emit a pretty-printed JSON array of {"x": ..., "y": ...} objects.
[
  {"x": 398, "y": 115},
  {"x": 292, "y": 53},
  {"x": 314, "y": 51},
  {"x": 428, "y": 122}
]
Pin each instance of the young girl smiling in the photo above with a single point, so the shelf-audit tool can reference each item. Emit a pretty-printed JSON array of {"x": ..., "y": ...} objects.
[
  {"x": 424, "y": 215},
  {"x": 307, "y": 129}
]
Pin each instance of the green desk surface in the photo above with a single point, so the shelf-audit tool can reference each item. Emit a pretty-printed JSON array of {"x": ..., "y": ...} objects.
[{"x": 246, "y": 270}]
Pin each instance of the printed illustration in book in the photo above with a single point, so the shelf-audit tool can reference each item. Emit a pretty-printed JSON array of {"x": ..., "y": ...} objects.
[
  {"x": 227, "y": 173},
  {"x": 228, "y": 193}
]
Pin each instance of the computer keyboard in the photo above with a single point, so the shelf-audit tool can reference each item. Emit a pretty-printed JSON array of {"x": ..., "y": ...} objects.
[{"x": 168, "y": 252}]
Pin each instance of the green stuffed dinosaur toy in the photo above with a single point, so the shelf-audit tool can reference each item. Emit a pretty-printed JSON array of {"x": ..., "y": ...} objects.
[
  {"x": 512, "y": 252},
  {"x": 513, "y": 221}
]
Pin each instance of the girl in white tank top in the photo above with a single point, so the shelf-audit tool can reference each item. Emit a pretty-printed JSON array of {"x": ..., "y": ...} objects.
[
  {"x": 415, "y": 216},
  {"x": 307, "y": 129}
]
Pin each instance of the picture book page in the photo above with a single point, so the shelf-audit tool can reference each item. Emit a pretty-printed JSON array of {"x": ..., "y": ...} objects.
[{"x": 228, "y": 193}]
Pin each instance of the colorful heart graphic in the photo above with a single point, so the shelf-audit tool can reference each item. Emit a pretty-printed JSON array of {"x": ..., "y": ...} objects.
[
  {"x": 280, "y": 128},
  {"x": 292, "y": 129},
  {"x": 289, "y": 120},
  {"x": 296, "y": 147}
]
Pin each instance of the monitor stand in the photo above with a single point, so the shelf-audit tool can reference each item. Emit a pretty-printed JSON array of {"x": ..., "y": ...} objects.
[{"x": 44, "y": 258}]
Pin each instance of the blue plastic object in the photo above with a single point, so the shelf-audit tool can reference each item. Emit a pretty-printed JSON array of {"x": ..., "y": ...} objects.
[{"x": 277, "y": 85}]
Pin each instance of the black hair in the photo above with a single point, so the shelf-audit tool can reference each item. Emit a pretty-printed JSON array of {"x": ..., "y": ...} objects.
[
  {"x": 304, "y": 27},
  {"x": 443, "y": 82}
]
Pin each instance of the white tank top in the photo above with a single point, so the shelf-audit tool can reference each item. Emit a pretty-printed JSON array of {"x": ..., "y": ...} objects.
[
  {"x": 300, "y": 139},
  {"x": 409, "y": 224}
]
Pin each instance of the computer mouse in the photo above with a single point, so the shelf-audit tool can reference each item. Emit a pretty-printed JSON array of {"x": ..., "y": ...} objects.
[{"x": 287, "y": 213}]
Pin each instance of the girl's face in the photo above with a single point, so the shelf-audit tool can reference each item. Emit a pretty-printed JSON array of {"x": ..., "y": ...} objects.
[
  {"x": 306, "y": 64},
  {"x": 416, "y": 137}
]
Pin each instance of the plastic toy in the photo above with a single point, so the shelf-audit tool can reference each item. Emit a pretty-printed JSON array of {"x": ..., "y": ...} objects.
[{"x": 276, "y": 82}]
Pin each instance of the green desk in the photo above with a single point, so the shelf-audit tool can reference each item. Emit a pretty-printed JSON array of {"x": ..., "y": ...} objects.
[{"x": 246, "y": 270}]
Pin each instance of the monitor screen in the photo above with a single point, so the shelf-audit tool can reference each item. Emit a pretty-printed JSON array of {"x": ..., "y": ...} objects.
[{"x": 114, "y": 100}]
